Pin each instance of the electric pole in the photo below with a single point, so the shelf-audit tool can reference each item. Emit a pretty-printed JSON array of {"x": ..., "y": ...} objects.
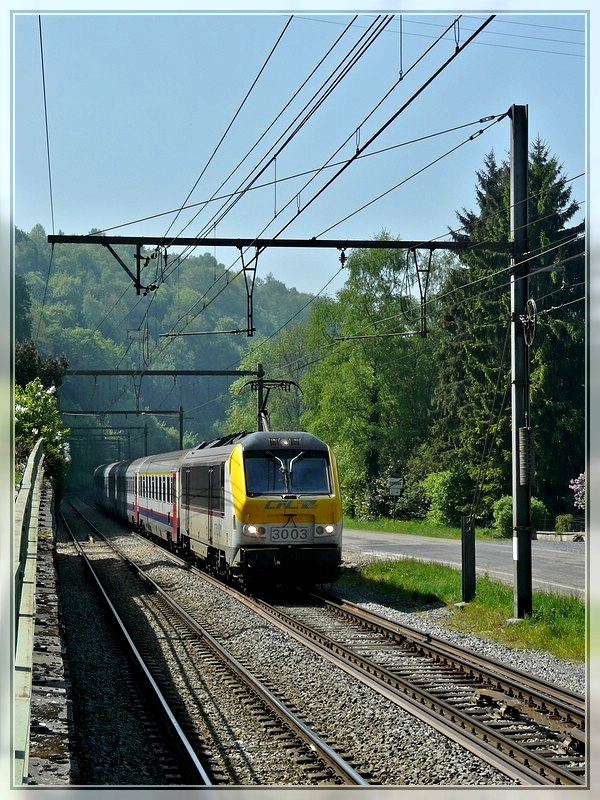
[{"x": 521, "y": 430}]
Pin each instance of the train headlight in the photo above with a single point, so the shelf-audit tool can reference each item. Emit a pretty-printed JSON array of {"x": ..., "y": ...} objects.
[
  {"x": 254, "y": 530},
  {"x": 325, "y": 530}
]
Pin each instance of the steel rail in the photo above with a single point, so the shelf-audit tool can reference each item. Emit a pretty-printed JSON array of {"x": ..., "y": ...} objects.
[
  {"x": 548, "y": 697},
  {"x": 383, "y": 682},
  {"x": 507, "y": 755},
  {"x": 192, "y": 758},
  {"x": 339, "y": 766}
]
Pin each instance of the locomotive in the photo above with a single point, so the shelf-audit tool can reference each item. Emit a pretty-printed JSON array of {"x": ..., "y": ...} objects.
[{"x": 253, "y": 508}]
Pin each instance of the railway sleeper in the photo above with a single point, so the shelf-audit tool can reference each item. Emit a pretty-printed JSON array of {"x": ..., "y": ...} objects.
[{"x": 510, "y": 707}]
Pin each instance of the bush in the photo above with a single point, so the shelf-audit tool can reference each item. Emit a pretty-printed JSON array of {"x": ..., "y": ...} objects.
[
  {"x": 503, "y": 515},
  {"x": 412, "y": 503},
  {"x": 564, "y": 523},
  {"x": 37, "y": 416},
  {"x": 538, "y": 513},
  {"x": 448, "y": 494}
]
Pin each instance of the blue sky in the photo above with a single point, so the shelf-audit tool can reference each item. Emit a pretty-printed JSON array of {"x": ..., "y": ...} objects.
[{"x": 143, "y": 107}]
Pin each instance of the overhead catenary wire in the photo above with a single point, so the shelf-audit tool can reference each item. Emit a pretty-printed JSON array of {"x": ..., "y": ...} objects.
[
  {"x": 46, "y": 122},
  {"x": 394, "y": 116},
  {"x": 573, "y": 301},
  {"x": 235, "y": 196},
  {"x": 349, "y": 60},
  {"x": 229, "y": 278},
  {"x": 383, "y": 127},
  {"x": 235, "y": 116},
  {"x": 359, "y": 149},
  {"x": 409, "y": 177},
  {"x": 180, "y": 257},
  {"x": 294, "y": 176},
  {"x": 46, "y": 127},
  {"x": 360, "y": 51},
  {"x": 481, "y": 279}
]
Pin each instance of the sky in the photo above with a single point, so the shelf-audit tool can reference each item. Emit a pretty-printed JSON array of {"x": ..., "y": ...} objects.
[{"x": 135, "y": 115}]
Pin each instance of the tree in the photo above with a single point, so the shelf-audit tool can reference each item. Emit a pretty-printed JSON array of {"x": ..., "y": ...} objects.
[
  {"x": 471, "y": 404},
  {"x": 22, "y": 309},
  {"x": 368, "y": 394},
  {"x": 29, "y": 364}
]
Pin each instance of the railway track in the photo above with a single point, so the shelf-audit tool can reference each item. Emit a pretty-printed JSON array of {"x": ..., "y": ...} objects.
[
  {"x": 179, "y": 763},
  {"x": 293, "y": 748},
  {"x": 529, "y": 730},
  {"x": 532, "y": 730}
]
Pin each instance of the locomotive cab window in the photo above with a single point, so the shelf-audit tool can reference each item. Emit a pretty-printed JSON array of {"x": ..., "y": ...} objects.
[{"x": 287, "y": 472}]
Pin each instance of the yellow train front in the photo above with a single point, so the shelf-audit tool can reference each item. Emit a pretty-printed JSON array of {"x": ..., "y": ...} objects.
[
  {"x": 287, "y": 509},
  {"x": 263, "y": 509}
]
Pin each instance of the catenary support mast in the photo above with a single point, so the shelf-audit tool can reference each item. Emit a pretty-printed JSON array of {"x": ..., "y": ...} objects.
[{"x": 521, "y": 441}]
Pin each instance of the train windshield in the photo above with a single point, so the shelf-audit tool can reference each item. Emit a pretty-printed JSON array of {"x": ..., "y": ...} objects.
[{"x": 287, "y": 472}]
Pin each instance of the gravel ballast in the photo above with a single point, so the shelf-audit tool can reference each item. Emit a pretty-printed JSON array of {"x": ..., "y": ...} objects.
[{"x": 384, "y": 740}]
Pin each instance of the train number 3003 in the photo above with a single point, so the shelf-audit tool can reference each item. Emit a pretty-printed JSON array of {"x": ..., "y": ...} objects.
[{"x": 288, "y": 534}]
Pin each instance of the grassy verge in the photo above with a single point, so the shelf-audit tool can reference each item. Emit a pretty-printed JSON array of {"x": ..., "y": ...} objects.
[
  {"x": 557, "y": 624},
  {"x": 418, "y": 527}
]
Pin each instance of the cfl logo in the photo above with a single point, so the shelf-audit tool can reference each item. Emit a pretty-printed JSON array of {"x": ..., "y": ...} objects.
[{"x": 289, "y": 504}]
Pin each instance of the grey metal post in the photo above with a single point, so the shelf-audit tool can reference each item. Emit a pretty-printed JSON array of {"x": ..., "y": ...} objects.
[
  {"x": 468, "y": 558},
  {"x": 521, "y": 489},
  {"x": 259, "y": 413}
]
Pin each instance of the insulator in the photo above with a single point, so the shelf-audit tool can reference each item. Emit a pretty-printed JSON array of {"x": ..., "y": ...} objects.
[{"x": 526, "y": 456}]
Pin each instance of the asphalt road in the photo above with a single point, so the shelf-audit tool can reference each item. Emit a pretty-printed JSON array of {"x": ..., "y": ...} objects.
[{"x": 558, "y": 567}]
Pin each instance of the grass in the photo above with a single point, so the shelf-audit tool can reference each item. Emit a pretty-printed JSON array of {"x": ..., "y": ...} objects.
[
  {"x": 418, "y": 527},
  {"x": 557, "y": 624}
]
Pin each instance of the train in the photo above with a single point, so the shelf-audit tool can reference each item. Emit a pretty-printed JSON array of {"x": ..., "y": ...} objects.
[{"x": 254, "y": 508}]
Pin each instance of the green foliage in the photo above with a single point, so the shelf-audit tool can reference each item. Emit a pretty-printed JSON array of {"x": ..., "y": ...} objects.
[
  {"x": 29, "y": 364},
  {"x": 37, "y": 416},
  {"x": 503, "y": 515},
  {"x": 23, "y": 309},
  {"x": 539, "y": 512},
  {"x": 564, "y": 523},
  {"x": 413, "y": 503},
  {"x": 78, "y": 301},
  {"x": 471, "y": 408},
  {"x": 369, "y": 393},
  {"x": 448, "y": 493}
]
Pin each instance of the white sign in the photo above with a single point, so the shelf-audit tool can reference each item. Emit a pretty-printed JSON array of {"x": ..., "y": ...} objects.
[{"x": 395, "y": 486}]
